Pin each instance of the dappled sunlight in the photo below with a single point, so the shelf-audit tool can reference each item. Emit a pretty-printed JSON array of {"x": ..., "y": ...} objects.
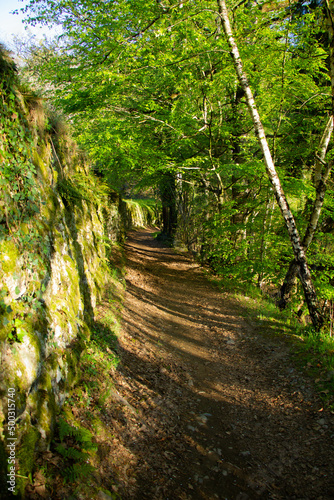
[{"x": 209, "y": 392}]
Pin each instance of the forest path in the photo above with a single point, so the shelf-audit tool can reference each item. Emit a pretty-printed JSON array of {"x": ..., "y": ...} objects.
[{"x": 214, "y": 409}]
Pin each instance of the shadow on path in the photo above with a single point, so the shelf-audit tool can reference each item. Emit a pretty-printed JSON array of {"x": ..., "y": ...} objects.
[{"x": 223, "y": 412}]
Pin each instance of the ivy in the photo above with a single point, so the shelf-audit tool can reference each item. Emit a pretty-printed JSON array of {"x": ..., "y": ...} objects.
[
  {"x": 20, "y": 217},
  {"x": 20, "y": 199}
]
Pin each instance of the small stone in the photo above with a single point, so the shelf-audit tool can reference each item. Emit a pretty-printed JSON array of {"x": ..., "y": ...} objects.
[
  {"x": 202, "y": 419},
  {"x": 242, "y": 496},
  {"x": 103, "y": 496},
  {"x": 213, "y": 456}
]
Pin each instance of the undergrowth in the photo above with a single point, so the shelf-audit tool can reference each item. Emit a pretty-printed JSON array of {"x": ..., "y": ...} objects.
[
  {"x": 75, "y": 446},
  {"x": 83, "y": 187}
]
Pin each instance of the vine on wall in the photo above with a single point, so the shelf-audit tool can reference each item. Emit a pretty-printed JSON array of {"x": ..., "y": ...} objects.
[{"x": 20, "y": 203}]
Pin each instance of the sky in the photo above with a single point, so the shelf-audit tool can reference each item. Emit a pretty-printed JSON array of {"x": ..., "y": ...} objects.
[{"x": 12, "y": 24}]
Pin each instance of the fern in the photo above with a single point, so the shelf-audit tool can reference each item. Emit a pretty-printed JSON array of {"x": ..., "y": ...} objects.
[
  {"x": 72, "y": 453},
  {"x": 65, "y": 429},
  {"x": 77, "y": 471},
  {"x": 74, "y": 445},
  {"x": 81, "y": 435}
]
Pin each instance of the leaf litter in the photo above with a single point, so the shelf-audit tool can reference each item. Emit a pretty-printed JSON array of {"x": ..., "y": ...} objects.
[{"x": 227, "y": 415}]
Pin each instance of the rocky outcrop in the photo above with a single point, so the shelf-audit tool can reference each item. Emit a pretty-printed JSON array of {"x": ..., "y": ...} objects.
[
  {"x": 53, "y": 268},
  {"x": 58, "y": 225},
  {"x": 139, "y": 213}
]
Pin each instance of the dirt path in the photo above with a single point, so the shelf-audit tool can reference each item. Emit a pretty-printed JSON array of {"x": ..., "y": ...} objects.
[{"x": 213, "y": 409}]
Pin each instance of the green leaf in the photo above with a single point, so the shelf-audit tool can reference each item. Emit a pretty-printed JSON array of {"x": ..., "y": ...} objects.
[{"x": 21, "y": 333}]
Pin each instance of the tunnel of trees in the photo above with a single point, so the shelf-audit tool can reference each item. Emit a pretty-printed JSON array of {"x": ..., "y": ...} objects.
[{"x": 223, "y": 112}]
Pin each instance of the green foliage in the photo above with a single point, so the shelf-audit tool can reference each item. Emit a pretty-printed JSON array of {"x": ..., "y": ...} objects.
[
  {"x": 20, "y": 198},
  {"x": 316, "y": 355},
  {"x": 141, "y": 212},
  {"x": 155, "y": 93},
  {"x": 21, "y": 243},
  {"x": 80, "y": 187},
  {"x": 75, "y": 445}
]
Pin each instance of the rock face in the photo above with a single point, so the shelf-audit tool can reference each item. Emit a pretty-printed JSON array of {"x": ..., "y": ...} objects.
[
  {"x": 53, "y": 267},
  {"x": 58, "y": 223}
]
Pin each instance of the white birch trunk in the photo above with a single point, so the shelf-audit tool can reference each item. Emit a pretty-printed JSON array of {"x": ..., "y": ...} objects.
[
  {"x": 305, "y": 275},
  {"x": 320, "y": 179},
  {"x": 320, "y": 183}
]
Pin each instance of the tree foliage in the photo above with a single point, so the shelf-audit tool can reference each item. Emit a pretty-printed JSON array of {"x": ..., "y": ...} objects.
[{"x": 151, "y": 89}]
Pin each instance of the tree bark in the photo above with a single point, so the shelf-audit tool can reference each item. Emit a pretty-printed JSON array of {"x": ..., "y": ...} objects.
[
  {"x": 330, "y": 27},
  {"x": 168, "y": 201},
  {"x": 305, "y": 275}
]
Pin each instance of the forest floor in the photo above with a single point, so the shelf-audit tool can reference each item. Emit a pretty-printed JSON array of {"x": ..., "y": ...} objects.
[{"x": 211, "y": 407}]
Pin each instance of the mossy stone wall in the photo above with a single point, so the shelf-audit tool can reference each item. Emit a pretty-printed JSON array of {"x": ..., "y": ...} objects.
[
  {"x": 53, "y": 268},
  {"x": 54, "y": 263}
]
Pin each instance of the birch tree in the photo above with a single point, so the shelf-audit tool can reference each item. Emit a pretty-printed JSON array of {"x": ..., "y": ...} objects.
[
  {"x": 321, "y": 174},
  {"x": 298, "y": 250}
]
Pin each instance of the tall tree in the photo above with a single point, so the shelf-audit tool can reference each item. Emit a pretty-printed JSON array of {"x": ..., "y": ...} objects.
[
  {"x": 152, "y": 90},
  {"x": 321, "y": 175},
  {"x": 300, "y": 257}
]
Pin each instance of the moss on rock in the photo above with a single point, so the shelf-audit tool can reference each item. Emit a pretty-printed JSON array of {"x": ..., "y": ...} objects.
[
  {"x": 50, "y": 282},
  {"x": 9, "y": 255}
]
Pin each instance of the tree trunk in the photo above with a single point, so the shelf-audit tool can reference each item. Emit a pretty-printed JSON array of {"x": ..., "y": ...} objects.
[
  {"x": 320, "y": 176},
  {"x": 270, "y": 205},
  {"x": 330, "y": 27},
  {"x": 305, "y": 275},
  {"x": 168, "y": 201},
  {"x": 320, "y": 180}
]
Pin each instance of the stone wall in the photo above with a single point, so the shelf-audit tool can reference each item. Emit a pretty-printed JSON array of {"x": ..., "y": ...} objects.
[
  {"x": 53, "y": 268},
  {"x": 58, "y": 225}
]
